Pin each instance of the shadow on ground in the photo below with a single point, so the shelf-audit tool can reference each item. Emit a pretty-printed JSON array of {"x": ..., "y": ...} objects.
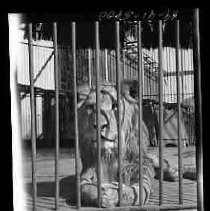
[{"x": 47, "y": 189}]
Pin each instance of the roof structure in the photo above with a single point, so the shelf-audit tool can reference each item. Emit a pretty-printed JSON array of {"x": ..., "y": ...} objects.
[
  {"x": 149, "y": 18},
  {"x": 128, "y": 26}
]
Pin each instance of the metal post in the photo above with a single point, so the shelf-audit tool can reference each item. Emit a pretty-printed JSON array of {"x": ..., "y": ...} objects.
[
  {"x": 160, "y": 56},
  {"x": 89, "y": 67},
  {"x": 182, "y": 74},
  {"x": 143, "y": 75},
  {"x": 78, "y": 194},
  {"x": 180, "y": 140},
  {"x": 98, "y": 111},
  {"x": 106, "y": 67},
  {"x": 118, "y": 78},
  {"x": 56, "y": 116},
  {"x": 198, "y": 109},
  {"x": 140, "y": 109},
  {"x": 112, "y": 70},
  {"x": 33, "y": 120},
  {"x": 123, "y": 64},
  {"x": 170, "y": 58}
]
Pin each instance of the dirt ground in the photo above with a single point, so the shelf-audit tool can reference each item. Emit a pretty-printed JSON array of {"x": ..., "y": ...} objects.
[{"x": 45, "y": 179}]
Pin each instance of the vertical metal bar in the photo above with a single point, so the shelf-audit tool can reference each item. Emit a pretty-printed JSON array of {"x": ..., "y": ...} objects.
[
  {"x": 102, "y": 67},
  {"x": 160, "y": 56},
  {"x": 106, "y": 66},
  {"x": 140, "y": 109},
  {"x": 35, "y": 109},
  {"x": 89, "y": 67},
  {"x": 81, "y": 64},
  {"x": 118, "y": 78},
  {"x": 198, "y": 108},
  {"x": 136, "y": 70},
  {"x": 56, "y": 116},
  {"x": 143, "y": 75},
  {"x": 114, "y": 66},
  {"x": 150, "y": 83},
  {"x": 132, "y": 71},
  {"x": 112, "y": 70},
  {"x": 180, "y": 140},
  {"x": 170, "y": 58},
  {"x": 79, "y": 68},
  {"x": 167, "y": 76},
  {"x": 123, "y": 65},
  {"x": 129, "y": 70},
  {"x": 93, "y": 67},
  {"x": 157, "y": 84},
  {"x": 182, "y": 74},
  {"x": 78, "y": 194},
  {"x": 33, "y": 120},
  {"x": 98, "y": 112}
]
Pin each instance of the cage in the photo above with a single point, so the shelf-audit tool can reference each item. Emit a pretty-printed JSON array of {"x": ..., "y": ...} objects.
[{"x": 160, "y": 76}]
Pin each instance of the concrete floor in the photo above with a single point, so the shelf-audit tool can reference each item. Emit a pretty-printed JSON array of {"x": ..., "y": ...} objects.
[{"x": 46, "y": 187}]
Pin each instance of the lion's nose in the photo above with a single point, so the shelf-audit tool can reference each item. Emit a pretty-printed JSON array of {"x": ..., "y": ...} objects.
[
  {"x": 103, "y": 127},
  {"x": 102, "y": 121}
]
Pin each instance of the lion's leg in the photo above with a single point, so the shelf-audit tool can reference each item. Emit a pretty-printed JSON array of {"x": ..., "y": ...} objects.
[
  {"x": 190, "y": 173},
  {"x": 109, "y": 189},
  {"x": 169, "y": 173},
  {"x": 109, "y": 193}
]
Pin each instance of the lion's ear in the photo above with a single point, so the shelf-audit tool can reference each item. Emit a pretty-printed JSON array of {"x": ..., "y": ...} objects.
[
  {"x": 82, "y": 93},
  {"x": 129, "y": 86},
  {"x": 129, "y": 89}
]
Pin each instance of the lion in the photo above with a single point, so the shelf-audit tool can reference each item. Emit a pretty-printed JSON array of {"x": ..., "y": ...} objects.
[{"x": 109, "y": 147}]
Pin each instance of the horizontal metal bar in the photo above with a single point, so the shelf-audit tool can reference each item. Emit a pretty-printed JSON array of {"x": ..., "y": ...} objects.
[
  {"x": 171, "y": 94},
  {"x": 173, "y": 73},
  {"x": 144, "y": 207},
  {"x": 37, "y": 45}
]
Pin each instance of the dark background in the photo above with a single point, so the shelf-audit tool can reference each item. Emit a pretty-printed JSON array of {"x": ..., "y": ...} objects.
[{"x": 6, "y": 136}]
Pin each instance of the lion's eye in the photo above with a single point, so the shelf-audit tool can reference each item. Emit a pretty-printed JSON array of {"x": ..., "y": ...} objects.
[
  {"x": 90, "y": 108},
  {"x": 114, "y": 106}
]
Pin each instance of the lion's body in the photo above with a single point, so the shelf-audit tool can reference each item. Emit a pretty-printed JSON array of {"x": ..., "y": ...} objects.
[
  {"x": 108, "y": 120},
  {"x": 109, "y": 139},
  {"x": 109, "y": 148}
]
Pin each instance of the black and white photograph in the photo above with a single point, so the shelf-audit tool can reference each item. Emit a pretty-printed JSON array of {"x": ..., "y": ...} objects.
[{"x": 106, "y": 110}]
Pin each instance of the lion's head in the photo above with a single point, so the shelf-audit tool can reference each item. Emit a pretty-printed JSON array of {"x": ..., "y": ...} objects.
[{"x": 108, "y": 122}]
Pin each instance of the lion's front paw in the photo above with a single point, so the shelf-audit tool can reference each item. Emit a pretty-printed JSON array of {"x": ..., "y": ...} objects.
[
  {"x": 89, "y": 194},
  {"x": 169, "y": 174}
]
